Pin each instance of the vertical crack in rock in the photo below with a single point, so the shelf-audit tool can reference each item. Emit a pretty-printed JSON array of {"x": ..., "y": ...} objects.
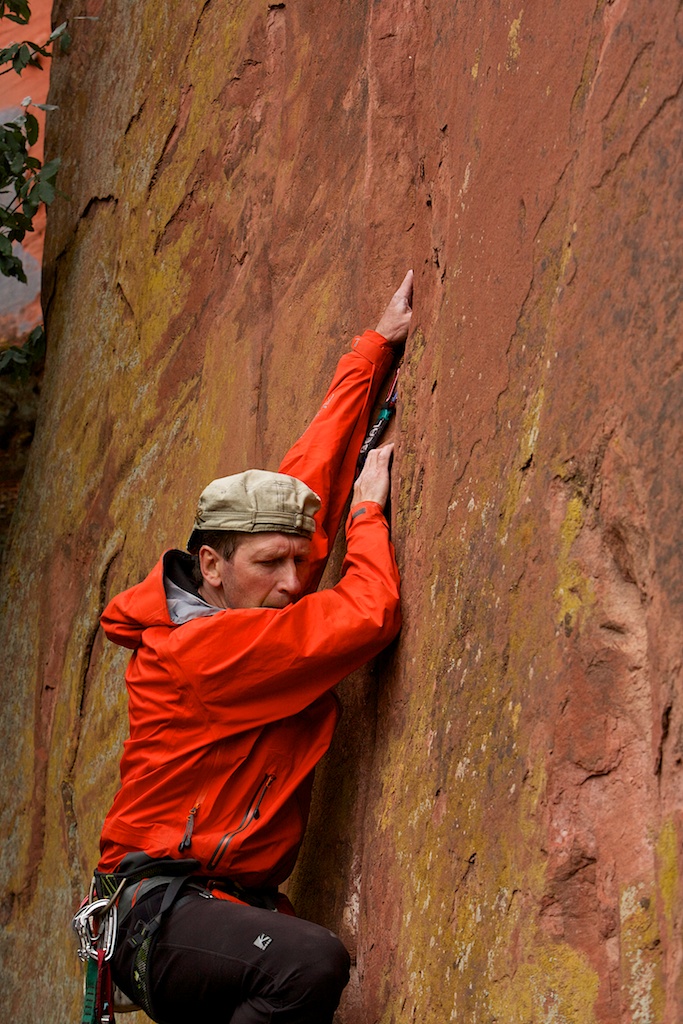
[
  {"x": 95, "y": 608},
  {"x": 597, "y": 45},
  {"x": 205, "y": 7},
  {"x": 276, "y": 68},
  {"x": 664, "y": 734},
  {"x": 178, "y": 218},
  {"x": 51, "y": 272},
  {"x": 135, "y": 117},
  {"x": 171, "y": 142},
  {"x": 129, "y": 311}
]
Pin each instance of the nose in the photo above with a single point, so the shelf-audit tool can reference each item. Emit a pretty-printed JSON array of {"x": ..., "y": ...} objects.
[{"x": 289, "y": 582}]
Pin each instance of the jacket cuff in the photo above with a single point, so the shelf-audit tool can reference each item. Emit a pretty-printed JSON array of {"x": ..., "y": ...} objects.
[
  {"x": 364, "y": 510},
  {"x": 374, "y": 347}
]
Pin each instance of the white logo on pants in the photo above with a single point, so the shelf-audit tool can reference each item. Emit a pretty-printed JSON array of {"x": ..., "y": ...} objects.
[{"x": 263, "y": 941}]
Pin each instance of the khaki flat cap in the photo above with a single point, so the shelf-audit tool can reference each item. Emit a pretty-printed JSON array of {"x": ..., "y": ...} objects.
[{"x": 257, "y": 502}]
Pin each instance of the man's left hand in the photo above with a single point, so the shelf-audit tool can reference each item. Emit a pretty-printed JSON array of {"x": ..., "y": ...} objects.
[{"x": 395, "y": 320}]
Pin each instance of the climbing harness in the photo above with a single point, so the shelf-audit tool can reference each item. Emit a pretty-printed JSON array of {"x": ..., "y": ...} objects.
[
  {"x": 96, "y": 924},
  {"x": 379, "y": 426},
  {"x": 106, "y": 908}
]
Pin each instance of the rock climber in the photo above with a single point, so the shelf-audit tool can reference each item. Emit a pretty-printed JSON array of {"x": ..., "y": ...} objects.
[{"x": 231, "y": 704}]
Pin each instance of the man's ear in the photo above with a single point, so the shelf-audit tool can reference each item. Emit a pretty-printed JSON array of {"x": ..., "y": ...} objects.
[{"x": 208, "y": 563}]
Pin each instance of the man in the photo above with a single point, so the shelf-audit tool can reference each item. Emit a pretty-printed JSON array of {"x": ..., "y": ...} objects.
[{"x": 231, "y": 707}]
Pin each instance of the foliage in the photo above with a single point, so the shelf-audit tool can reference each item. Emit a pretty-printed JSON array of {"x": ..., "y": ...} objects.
[
  {"x": 25, "y": 183},
  {"x": 19, "y": 360},
  {"x": 19, "y": 11}
]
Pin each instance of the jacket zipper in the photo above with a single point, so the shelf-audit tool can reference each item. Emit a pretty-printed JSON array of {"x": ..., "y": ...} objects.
[
  {"x": 186, "y": 841},
  {"x": 251, "y": 814}
]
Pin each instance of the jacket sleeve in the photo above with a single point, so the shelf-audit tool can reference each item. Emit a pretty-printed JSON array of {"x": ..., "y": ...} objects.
[
  {"x": 325, "y": 455},
  {"x": 248, "y": 667}
]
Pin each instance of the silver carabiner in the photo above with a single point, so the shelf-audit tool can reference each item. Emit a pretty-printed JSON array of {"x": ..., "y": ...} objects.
[{"x": 95, "y": 936}]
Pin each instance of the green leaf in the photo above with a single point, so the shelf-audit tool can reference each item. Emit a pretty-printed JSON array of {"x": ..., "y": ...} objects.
[
  {"x": 45, "y": 192},
  {"x": 8, "y": 53},
  {"x": 10, "y": 266},
  {"x": 50, "y": 168},
  {"x": 19, "y": 11},
  {"x": 37, "y": 51},
  {"x": 22, "y": 58},
  {"x": 32, "y": 129}
]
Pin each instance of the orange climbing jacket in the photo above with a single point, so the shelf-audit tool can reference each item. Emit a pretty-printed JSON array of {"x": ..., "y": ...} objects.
[{"x": 230, "y": 712}]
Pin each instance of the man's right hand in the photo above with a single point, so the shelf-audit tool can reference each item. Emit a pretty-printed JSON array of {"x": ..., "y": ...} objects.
[
  {"x": 396, "y": 317},
  {"x": 373, "y": 481}
]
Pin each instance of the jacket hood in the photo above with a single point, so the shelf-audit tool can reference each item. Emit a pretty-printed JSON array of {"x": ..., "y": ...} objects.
[{"x": 130, "y": 613}]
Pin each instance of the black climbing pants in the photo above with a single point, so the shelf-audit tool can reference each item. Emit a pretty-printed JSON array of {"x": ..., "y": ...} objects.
[{"x": 213, "y": 960}]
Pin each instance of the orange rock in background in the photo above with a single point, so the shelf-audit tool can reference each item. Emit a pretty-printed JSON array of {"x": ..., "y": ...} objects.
[
  {"x": 20, "y": 303},
  {"x": 497, "y": 833},
  {"x": 20, "y": 308}
]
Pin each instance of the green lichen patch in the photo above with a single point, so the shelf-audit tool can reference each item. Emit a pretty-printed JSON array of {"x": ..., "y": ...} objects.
[
  {"x": 528, "y": 440},
  {"x": 554, "y": 984},
  {"x": 574, "y": 593},
  {"x": 668, "y": 872},
  {"x": 514, "y": 49}
]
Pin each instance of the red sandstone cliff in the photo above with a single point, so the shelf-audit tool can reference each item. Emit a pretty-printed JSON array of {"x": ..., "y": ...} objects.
[{"x": 497, "y": 833}]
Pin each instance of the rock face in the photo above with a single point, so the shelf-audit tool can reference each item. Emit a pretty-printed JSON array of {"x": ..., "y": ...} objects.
[{"x": 497, "y": 834}]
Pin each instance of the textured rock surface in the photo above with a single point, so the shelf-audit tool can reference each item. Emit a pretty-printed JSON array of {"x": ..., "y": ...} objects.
[{"x": 497, "y": 833}]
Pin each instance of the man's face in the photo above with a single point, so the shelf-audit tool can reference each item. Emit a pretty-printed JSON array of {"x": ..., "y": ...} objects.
[{"x": 267, "y": 570}]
